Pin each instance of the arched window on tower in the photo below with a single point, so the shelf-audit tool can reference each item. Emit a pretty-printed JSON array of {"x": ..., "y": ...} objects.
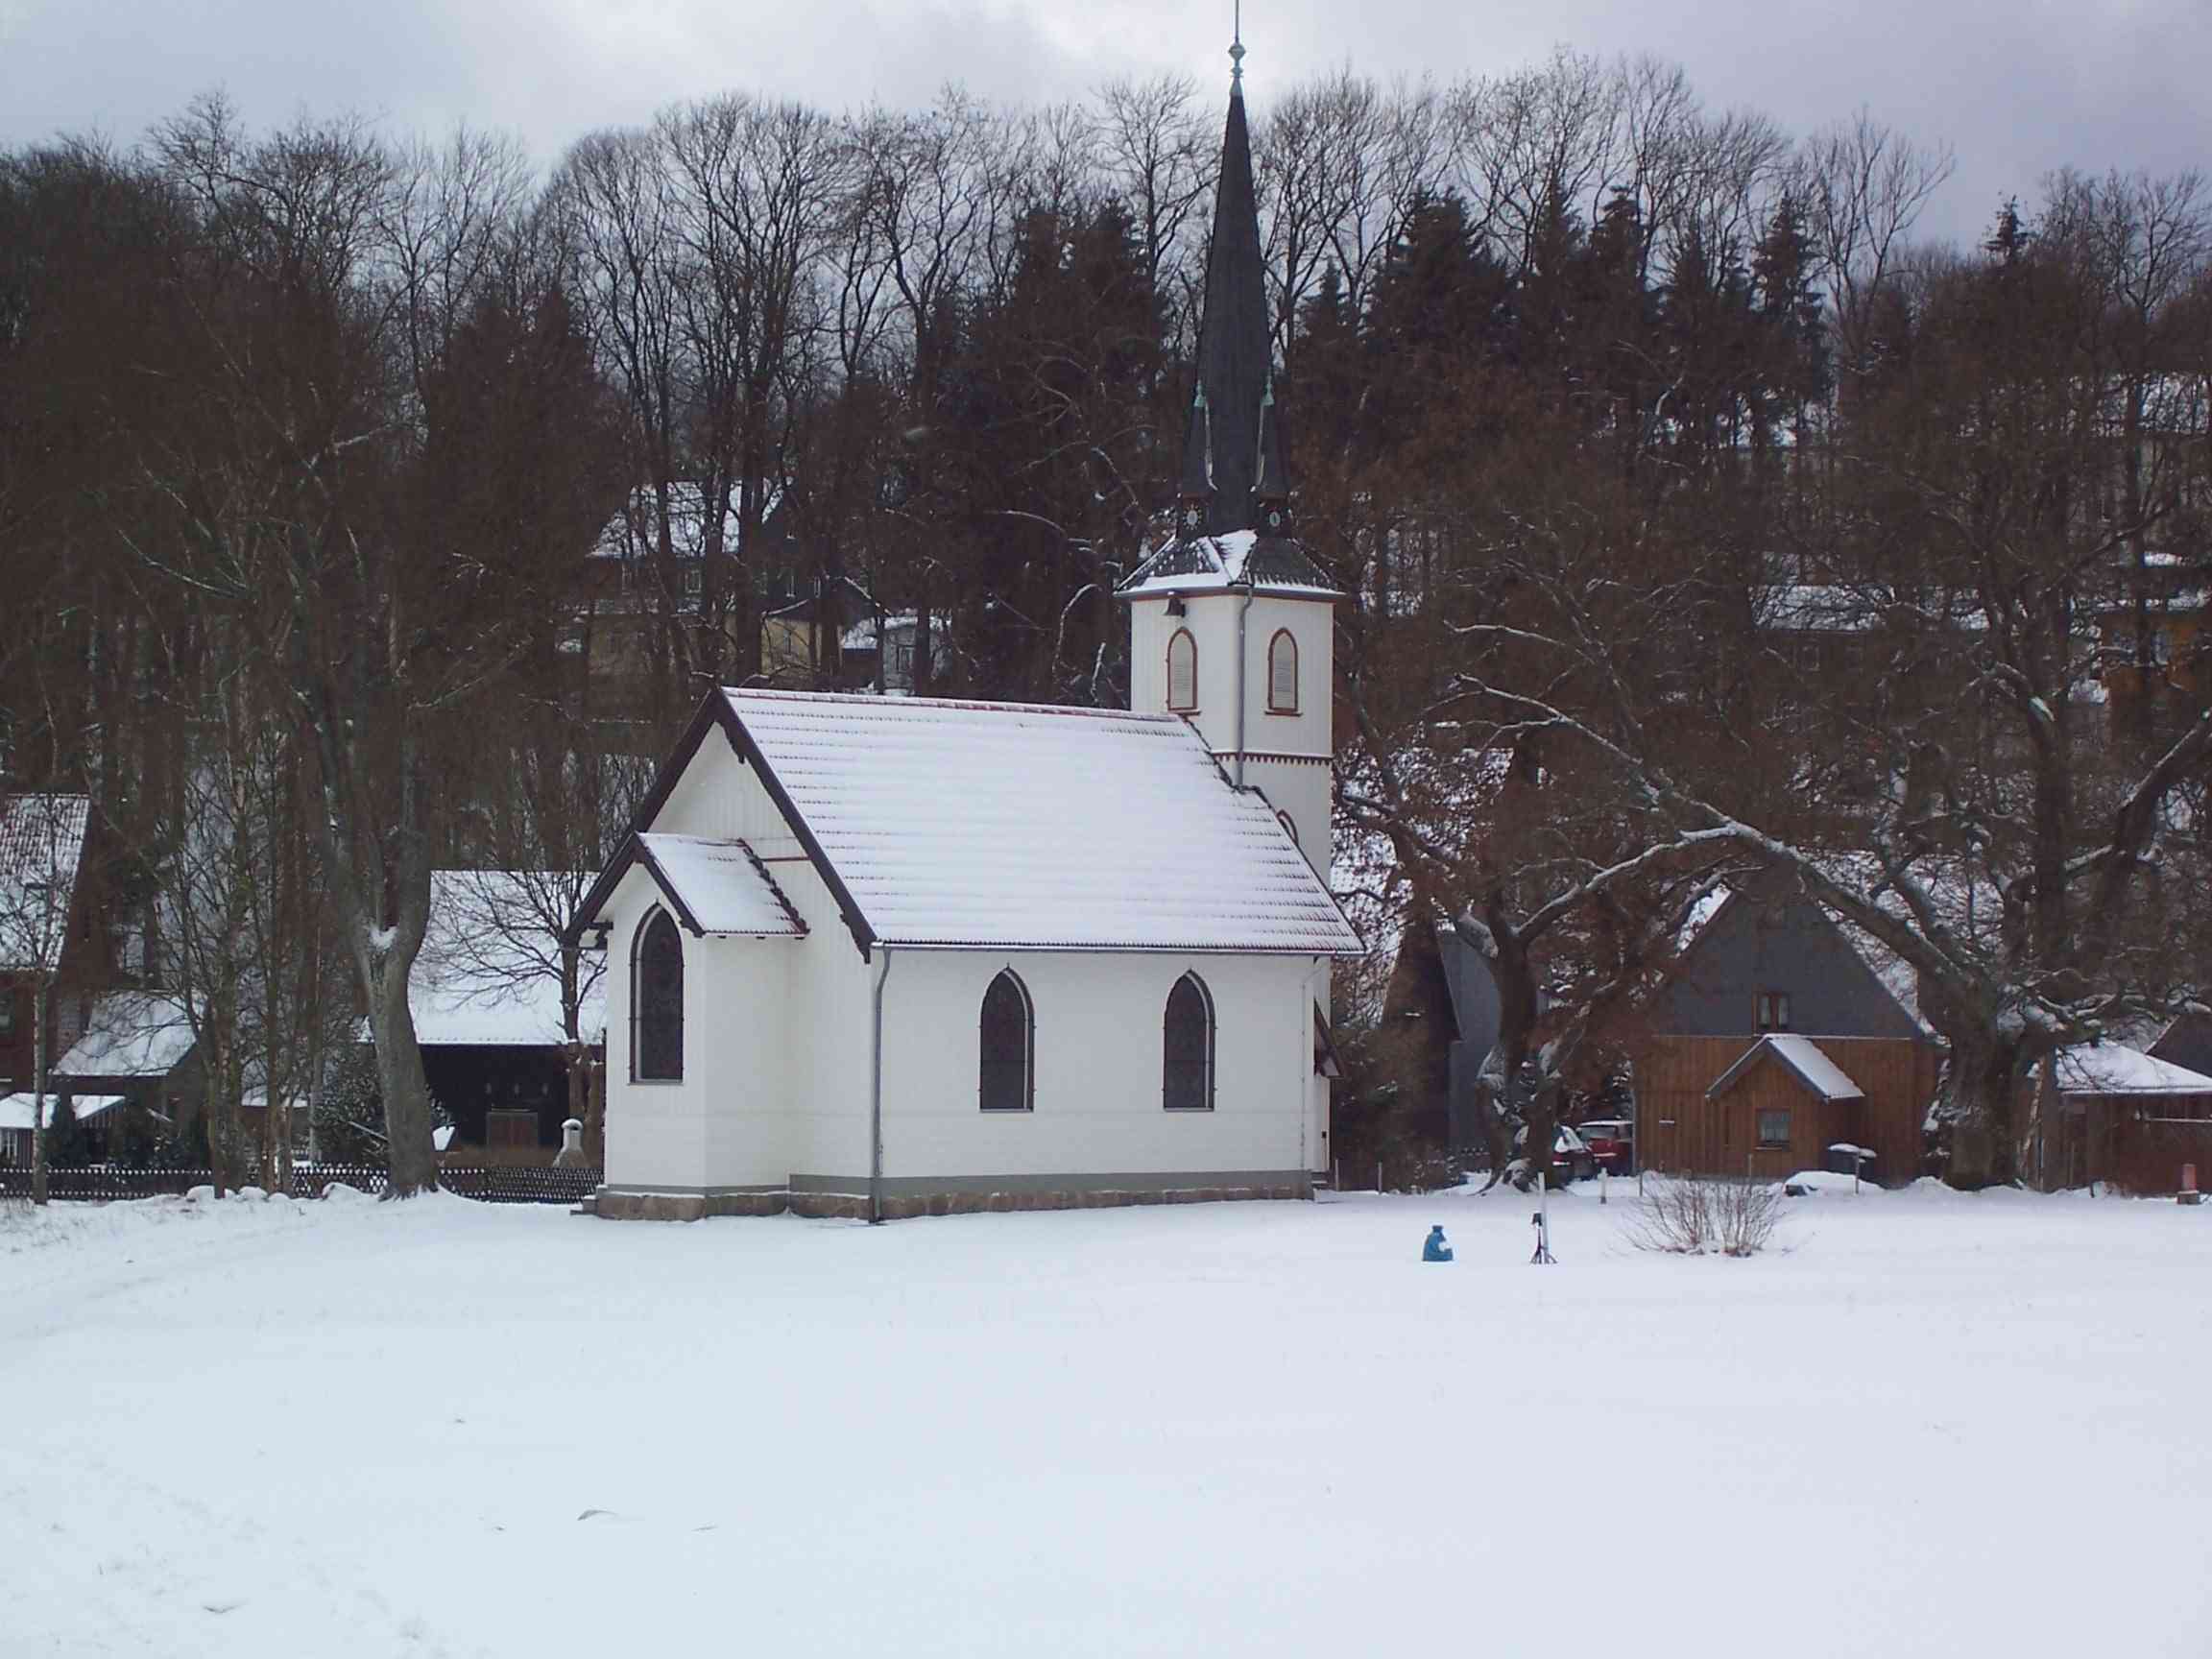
[
  {"x": 1009, "y": 1057},
  {"x": 1187, "y": 1047},
  {"x": 1282, "y": 673},
  {"x": 1182, "y": 672},
  {"x": 657, "y": 1001}
]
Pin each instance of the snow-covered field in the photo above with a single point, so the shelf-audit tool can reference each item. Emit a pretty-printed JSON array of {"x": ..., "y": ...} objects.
[{"x": 1931, "y": 1424}]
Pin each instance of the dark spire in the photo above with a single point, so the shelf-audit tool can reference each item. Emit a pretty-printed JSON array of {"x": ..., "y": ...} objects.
[{"x": 1233, "y": 470}]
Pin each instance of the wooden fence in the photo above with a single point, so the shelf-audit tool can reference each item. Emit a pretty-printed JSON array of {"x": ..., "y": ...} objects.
[{"x": 490, "y": 1186}]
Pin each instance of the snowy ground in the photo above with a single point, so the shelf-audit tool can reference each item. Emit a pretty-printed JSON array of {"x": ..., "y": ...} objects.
[{"x": 1934, "y": 1425}]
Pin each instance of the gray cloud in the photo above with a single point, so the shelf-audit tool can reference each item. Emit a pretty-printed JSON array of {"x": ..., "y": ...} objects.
[{"x": 2018, "y": 89}]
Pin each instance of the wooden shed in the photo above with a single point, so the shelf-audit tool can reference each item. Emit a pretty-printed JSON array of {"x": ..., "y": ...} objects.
[{"x": 2131, "y": 1118}]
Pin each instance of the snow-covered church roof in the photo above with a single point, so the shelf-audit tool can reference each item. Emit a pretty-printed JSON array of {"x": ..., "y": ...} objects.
[
  {"x": 1014, "y": 825},
  {"x": 1027, "y": 826}
]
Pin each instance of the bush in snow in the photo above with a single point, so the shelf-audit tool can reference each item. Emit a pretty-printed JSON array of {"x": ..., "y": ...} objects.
[
  {"x": 1698, "y": 1216},
  {"x": 349, "y": 1111}
]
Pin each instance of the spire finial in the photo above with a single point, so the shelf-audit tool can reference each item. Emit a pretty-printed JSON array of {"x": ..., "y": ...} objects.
[{"x": 1236, "y": 48}]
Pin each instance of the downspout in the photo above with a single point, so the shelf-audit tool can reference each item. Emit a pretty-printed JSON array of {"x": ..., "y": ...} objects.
[
  {"x": 1243, "y": 606},
  {"x": 876, "y": 1096}
]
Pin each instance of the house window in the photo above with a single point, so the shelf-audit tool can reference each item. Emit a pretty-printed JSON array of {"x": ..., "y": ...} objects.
[
  {"x": 7, "y": 1015},
  {"x": 1009, "y": 1046},
  {"x": 1182, "y": 671},
  {"x": 1188, "y": 1048},
  {"x": 657, "y": 1002},
  {"x": 1774, "y": 1126},
  {"x": 694, "y": 582},
  {"x": 1282, "y": 673},
  {"x": 1773, "y": 1010}
]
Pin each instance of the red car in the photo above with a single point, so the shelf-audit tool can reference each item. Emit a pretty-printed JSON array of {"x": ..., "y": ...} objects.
[{"x": 1611, "y": 1143}]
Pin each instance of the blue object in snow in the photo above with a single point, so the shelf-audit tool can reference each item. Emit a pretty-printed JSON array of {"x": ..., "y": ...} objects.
[{"x": 1435, "y": 1249}]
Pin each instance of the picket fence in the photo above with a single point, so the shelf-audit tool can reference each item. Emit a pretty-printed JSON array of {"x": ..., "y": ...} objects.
[{"x": 493, "y": 1186}]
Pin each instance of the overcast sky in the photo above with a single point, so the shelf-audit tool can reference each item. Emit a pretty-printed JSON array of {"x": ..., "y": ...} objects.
[{"x": 2017, "y": 88}]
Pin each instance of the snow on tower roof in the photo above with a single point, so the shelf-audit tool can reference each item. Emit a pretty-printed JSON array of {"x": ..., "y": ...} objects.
[
  {"x": 1021, "y": 826},
  {"x": 1209, "y": 564}
]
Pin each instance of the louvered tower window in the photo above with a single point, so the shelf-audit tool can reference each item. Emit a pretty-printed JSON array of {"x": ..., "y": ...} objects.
[
  {"x": 1282, "y": 673},
  {"x": 1182, "y": 671}
]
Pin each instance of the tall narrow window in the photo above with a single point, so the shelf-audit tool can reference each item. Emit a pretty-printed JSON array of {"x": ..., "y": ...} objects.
[
  {"x": 1773, "y": 1011},
  {"x": 657, "y": 1002},
  {"x": 1188, "y": 1048},
  {"x": 1009, "y": 1045},
  {"x": 1182, "y": 671},
  {"x": 1282, "y": 673}
]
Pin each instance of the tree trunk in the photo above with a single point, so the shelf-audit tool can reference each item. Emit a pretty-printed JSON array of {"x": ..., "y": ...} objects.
[
  {"x": 413, "y": 1156},
  {"x": 41, "y": 991},
  {"x": 1985, "y": 1105}
]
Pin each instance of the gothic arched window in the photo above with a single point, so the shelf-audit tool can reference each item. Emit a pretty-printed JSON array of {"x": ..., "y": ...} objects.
[
  {"x": 1009, "y": 1048},
  {"x": 1187, "y": 1047},
  {"x": 1182, "y": 671},
  {"x": 657, "y": 1001},
  {"x": 1282, "y": 673}
]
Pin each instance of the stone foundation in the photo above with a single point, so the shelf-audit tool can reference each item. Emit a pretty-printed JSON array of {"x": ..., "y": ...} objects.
[{"x": 619, "y": 1206}]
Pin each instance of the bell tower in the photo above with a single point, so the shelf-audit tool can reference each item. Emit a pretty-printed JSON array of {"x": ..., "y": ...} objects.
[{"x": 1230, "y": 623}]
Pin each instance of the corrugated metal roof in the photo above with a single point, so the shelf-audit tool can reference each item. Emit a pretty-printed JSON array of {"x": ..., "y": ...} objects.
[
  {"x": 1020, "y": 826},
  {"x": 41, "y": 845}
]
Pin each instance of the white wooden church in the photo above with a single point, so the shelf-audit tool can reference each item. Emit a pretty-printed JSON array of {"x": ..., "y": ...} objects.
[{"x": 885, "y": 955}]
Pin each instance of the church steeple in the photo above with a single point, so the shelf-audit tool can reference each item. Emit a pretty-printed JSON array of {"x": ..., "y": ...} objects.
[{"x": 1233, "y": 472}]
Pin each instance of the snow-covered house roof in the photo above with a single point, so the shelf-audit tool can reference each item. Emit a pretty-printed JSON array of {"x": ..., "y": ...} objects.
[
  {"x": 1801, "y": 1056},
  {"x": 636, "y": 528},
  {"x": 489, "y": 972},
  {"x": 130, "y": 1034},
  {"x": 1019, "y": 827},
  {"x": 41, "y": 848},
  {"x": 1210, "y": 564},
  {"x": 2110, "y": 1069},
  {"x": 16, "y": 1110}
]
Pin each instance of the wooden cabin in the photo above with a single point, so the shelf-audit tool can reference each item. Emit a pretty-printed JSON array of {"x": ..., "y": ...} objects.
[{"x": 1779, "y": 1037}]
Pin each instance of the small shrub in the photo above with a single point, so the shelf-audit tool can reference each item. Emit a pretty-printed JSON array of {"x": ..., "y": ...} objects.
[{"x": 1699, "y": 1215}]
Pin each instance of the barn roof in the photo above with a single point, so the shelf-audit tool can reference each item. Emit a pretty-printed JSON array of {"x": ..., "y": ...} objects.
[
  {"x": 1800, "y": 1055},
  {"x": 490, "y": 974},
  {"x": 1019, "y": 825},
  {"x": 41, "y": 846}
]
